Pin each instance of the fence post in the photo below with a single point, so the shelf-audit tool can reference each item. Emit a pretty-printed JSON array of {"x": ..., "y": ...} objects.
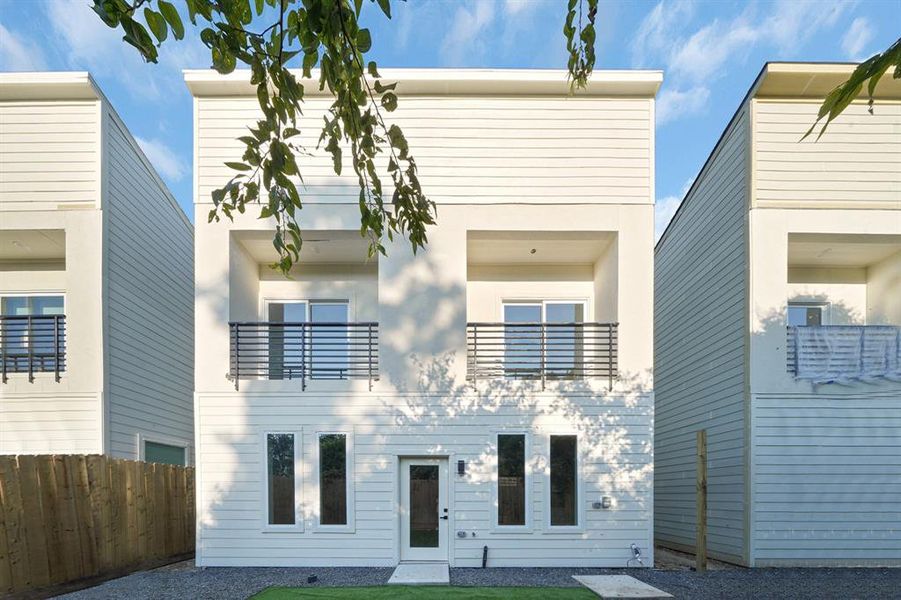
[{"x": 701, "y": 503}]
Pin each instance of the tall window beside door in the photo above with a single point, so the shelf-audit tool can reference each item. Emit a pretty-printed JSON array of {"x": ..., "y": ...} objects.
[
  {"x": 333, "y": 473},
  {"x": 280, "y": 479},
  {"x": 564, "y": 481},
  {"x": 511, "y": 479}
]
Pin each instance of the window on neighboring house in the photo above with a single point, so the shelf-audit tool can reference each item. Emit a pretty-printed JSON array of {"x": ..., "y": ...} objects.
[
  {"x": 168, "y": 454},
  {"x": 806, "y": 314},
  {"x": 280, "y": 486},
  {"x": 333, "y": 479},
  {"x": 318, "y": 352},
  {"x": 564, "y": 481},
  {"x": 511, "y": 479},
  {"x": 38, "y": 339},
  {"x": 544, "y": 333}
]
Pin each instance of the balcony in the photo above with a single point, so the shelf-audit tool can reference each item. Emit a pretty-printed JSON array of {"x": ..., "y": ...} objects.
[
  {"x": 33, "y": 344},
  {"x": 836, "y": 353},
  {"x": 542, "y": 351},
  {"x": 306, "y": 351}
]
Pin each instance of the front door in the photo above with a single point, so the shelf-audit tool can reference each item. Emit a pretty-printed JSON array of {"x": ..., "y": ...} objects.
[{"x": 423, "y": 509}]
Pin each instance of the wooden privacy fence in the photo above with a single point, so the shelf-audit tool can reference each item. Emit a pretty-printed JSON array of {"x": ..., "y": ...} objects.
[{"x": 70, "y": 517}]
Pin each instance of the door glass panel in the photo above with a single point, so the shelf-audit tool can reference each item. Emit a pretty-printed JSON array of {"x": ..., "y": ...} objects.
[
  {"x": 286, "y": 339},
  {"x": 424, "y": 506},
  {"x": 329, "y": 347},
  {"x": 564, "y": 507},
  {"x": 522, "y": 343},
  {"x": 511, "y": 479},
  {"x": 280, "y": 474},
  {"x": 564, "y": 343},
  {"x": 804, "y": 315}
]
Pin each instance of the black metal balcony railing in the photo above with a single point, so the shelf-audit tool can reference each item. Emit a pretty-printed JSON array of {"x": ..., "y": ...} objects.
[
  {"x": 33, "y": 344},
  {"x": 304, "y": 351},
  {"x": 825, "y": 353},
  {"x": 542, "y": 351}
]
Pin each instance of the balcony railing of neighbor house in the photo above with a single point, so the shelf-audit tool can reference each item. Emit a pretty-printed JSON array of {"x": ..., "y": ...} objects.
[
  {"x": 542, "y": 351},
  {"x": 834, "y": 353},
  {"x": 304, "y": 351},
  {"x": 33, "y": 344}
]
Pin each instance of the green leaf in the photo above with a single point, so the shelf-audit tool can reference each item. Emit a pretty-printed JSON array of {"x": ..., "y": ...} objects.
[
  {"x": 157, "y": 24},
  {"x": 385, "y": 5},
  {"x": 363, "y": 41},
  {"x": 170, "y": 13},
  {"x": 373, "y": 69},
  {"x": 389, "y": 101},
  {"x": 238, "y": 166}
]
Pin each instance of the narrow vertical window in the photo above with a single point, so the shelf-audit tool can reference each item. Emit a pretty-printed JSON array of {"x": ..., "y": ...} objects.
[
  {"x": 564, "y": 481},
  {"x": 333, "y": 479},
  {"x": 280, "y": 472},
  {"x": 511, "y": 479}
]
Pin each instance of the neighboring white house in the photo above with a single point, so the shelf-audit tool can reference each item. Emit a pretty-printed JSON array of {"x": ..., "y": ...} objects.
[
  {"x": 366, "y": 412},
  {"x": 95, "y": 281},
  {"x": 777, "y": 313}
]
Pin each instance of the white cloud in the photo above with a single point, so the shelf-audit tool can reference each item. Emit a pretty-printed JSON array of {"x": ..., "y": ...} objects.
[
  {"x": 89, "y": 44},
  {"x": 163, "y": 158},
  {"x": 468, "y": 24},
  {"x": 519, "y": 7},
  {"x": 695, "y": 56},
  {"x": 659, "y": 30},
  {"x": 19, "y": 54},
  {"x": 858, "y": 36},
  {"x": 672, "y": 103},
  {"x": 665, "y": 208}
]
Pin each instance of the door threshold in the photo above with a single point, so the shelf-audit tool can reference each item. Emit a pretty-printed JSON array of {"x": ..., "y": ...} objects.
[{"x": 421, "y": 573}]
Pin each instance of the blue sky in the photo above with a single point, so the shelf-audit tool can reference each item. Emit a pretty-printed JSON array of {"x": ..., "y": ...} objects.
[{"x": 710, "y": 52}]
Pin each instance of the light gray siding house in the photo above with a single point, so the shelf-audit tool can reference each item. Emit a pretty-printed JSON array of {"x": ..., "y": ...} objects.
[
  {"x": 777, "y": 314},
  {"x": 96, "y": 281}
]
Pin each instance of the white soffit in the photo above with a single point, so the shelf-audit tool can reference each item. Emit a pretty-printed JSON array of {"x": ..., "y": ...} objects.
[
  {"x": 550, "y": 247},
  {"x": 841, "y": 250},
  {"x": 32, "y": 244},
  {"x": 816, "y": 80},
  {"x": 57, "y": 85},
  {"x": 319, "y": 246}
]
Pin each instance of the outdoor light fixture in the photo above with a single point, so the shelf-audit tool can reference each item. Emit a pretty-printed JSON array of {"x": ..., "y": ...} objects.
[
  {"x": 461, "y": 468},
  {"x": 605, "y": 502}
]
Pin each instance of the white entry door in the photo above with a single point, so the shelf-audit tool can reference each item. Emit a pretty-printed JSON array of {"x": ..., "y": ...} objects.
[{"x": 423, "y": 509}]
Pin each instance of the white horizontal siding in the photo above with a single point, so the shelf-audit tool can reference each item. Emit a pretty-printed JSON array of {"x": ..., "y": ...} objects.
[
  {"x": 41, "y": 423},
  {"x": 149, "y": 286},
  {"x": 616, "y": 451},
  {"x": 700, "y": 285},
  {"x": 49, "y": 154},
  {"x": 469, "y": 149},
  {"x": 827, "y": 479},
  {"x": 856, "y": 163}
]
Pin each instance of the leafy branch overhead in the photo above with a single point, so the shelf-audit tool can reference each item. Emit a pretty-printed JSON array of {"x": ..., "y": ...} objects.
[
  {"x": 270, "y": 35},
  {"x": 868, "y": 72},
  {"x": 311, "y": 33}
]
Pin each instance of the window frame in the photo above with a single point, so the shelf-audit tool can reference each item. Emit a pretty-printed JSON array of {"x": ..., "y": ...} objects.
[
  {"x": 308, "y": 316},
  {"x": 825, "y": 311},
  {"x": 143, "y": 438},
  {"x": 350, "y": 526},
  {"x": 579, "y": 527},
  {"x": 528, "y": 505},
  {"x": 30, "y": 294},
  {"x": 298, "y": 525},
  {"x": 542, "y": 303}
]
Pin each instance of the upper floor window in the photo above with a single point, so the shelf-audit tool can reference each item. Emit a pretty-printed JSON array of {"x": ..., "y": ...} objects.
[
  {"x": 806, "y": 314},
  {"x": 22, "y": 306},
  {"x": 32, "y": 344},
  {"x": 313, "y": 339},
  {"x": 544, "y": 335}
]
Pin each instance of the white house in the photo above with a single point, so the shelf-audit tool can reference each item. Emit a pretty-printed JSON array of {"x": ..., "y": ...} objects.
[
  {"x": 777, "y": 313},
  {"x": 487, "y": 399},
  {"x": 96, "y": 281}
]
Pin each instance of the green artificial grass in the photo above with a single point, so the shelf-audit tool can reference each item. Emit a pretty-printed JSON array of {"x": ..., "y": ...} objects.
[{"x": 415, "y": 592}]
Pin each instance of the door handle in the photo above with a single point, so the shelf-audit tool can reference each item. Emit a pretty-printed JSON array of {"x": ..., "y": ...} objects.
[{"x": 444, "y": 517}]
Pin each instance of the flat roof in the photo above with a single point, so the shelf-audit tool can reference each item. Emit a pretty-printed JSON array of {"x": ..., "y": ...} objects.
[
  {"x": 49, "y": 85},
  {"x": 815, "y": 80},
  {"x": 552, "y": 82}
]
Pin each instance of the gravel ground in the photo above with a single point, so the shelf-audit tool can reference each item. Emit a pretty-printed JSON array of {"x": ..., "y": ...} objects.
[{"x": 186, "y": 582}]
